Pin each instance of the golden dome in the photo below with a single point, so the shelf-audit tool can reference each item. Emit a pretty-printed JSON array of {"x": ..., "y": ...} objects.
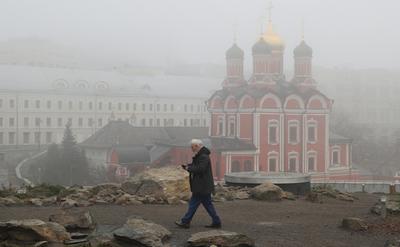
[{"x": 272, "y": 38}]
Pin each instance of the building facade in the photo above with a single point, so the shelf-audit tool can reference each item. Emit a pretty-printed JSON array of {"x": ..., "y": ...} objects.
[
  {"x": 31, "y": 116},
  {"x": 286, "y": 122}
]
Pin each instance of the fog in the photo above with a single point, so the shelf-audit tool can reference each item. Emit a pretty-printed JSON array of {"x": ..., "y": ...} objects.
[
  {"x": 109, "y": 107},
  {"x": 355, "y": 34},
  {"x": 70, "y": 69}
]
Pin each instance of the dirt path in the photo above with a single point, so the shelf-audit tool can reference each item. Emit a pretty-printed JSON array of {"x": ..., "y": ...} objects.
[{"x": 286, "y": 223}]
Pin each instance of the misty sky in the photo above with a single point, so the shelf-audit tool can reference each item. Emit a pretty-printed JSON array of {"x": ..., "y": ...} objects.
[{"x": 344, "y": 33}]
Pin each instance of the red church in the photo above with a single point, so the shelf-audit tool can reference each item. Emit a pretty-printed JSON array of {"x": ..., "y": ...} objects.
[{"x": 273, "y": 124}]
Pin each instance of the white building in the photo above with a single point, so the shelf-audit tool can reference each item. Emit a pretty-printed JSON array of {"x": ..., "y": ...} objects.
[{"x": 36, "y": 103}]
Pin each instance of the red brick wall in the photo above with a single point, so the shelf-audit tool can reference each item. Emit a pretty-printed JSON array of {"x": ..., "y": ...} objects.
[
  {"x": 265, "y": 148},
  {"x": 246, "y": 126},
  {"x": 320, "y": 144}
]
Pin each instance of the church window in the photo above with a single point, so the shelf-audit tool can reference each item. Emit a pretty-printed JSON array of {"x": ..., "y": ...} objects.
[
  {"x": 273, "y": 132},
  {"x": 312, "y": 132},
  {"x": 235, "y": 166},
  {"x": 335, "y": 156},
  {"x": 248, "y": 166},
  {"x": 232, "y": 126},
  {"x": 272, "y": 163},
  {"x": 293, "y": 133},
  {"x": 292, "y": 163}
]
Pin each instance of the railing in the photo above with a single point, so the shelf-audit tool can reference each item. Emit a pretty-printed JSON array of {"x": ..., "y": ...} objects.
[{"x": 21, "y": 165}]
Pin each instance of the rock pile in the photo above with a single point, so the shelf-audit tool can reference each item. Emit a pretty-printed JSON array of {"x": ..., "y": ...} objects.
[
  {"x": 167, "y": 185},
  {"x": 154, "y": 186},
  {"x": 318, "y": 194},
  {"x": 393, "y": 204},
  {"x": 387, "y": 205},
  {"x": 223, "y": 193}
]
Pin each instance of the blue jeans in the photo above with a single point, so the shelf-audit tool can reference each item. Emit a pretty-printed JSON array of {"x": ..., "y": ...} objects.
[{"x": 195, "y": 202}]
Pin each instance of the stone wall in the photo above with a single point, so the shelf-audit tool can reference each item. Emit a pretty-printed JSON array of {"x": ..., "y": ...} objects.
[{"x": 351, "y": 187}]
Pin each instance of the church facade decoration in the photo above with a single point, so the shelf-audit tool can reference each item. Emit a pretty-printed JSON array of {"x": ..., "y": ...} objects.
[{"x": 274, "y": 124}]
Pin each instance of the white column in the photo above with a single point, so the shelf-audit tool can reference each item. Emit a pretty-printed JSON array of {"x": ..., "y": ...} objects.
[
  {"x": 326, "y": 142},
  {"x": 304, "y": 142},
  {"x": 238, "y": 125},
  {"x": 281, "y": 142}
]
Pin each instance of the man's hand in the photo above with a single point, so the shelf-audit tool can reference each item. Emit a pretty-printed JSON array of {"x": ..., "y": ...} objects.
[{"x": 184, "y": 167}]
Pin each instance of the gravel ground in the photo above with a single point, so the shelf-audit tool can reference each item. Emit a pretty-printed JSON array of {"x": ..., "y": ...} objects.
[{"x": 286, "y": 223}]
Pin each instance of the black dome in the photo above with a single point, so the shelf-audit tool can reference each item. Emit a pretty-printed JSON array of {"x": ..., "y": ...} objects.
[
  {"x": 234, "y": 52},
  {"x": 261, "y": 47},
  {"x": 303, "y": 50}
]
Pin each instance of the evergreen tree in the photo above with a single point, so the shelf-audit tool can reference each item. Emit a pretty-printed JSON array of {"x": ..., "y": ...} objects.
[
  {"x": 73, "y": 159},
  {"x": 66, "y": 165}
]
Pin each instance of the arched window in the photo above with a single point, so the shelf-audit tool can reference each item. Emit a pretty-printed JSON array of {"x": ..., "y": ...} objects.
[
  {"x": 312, "y": 161},
  {"x": 220, "y": 126},
  {"x": 273, "y": 132},
  {"x": 293, "y": 132},
  {"x": 235, "y": 166},
  {"x": 293, "y": 162},
  {"x": 231, "y": 127},
  {"x": 311, "y": 131},
  {"x": 335, "y": 161},
  {"x": 272, "y": 164}
]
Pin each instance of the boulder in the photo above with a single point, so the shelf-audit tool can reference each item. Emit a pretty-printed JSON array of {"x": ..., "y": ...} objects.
[
  {"x": 242, "y": 195},
  {"x": 267, "y": 192},
  {"x": 393, "y": 204},
  {"x": 220, "y": 238},
  {"x": 288, "y": 196},
  {"x": 73, "y": 219},
  {"x": 344, "y": 197},
  {"x": 127, "y": 199},
  {"x": 160, "y": 184},
  {"x": 142, "y": 232},
  {"x": 109, "y": 187},
  {"x": 392, "y": 243},
  {"x": 10, "y": 201},
  {"x": 354, "y": 224},
  {"x": 377, "y": 208},
  {"x": 36, "y": 202},
  {"x": 49, "y": 201},
  {"x": 68, "y": 203},
  {"x": 314, "y": 197},
  {"x": 33, "y": 230}
]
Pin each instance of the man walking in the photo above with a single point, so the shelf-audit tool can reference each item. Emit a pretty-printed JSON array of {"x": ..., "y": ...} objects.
[{"x": 201, "y": 184}]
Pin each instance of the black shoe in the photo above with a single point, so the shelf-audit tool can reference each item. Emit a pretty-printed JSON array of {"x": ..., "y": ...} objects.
[
  {"x": 182, "y": 225},
  {"x": 215, "y": 226}
]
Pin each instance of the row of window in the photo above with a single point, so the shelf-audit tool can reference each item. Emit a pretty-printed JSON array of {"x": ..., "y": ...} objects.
[
  {"x": 27, "y": 138},
  {"x": 90, "y": 122},
  {"x": 292, "y": 165},
  {"x": 48, "y": 122},
  {"x": 273, "y": 131},
  {"x": 170, "y": 122},
  {"x": 61, "y": 105}
]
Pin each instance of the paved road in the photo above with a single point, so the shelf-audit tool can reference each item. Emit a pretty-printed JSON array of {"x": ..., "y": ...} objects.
[{"x": 273, "y": 224}]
